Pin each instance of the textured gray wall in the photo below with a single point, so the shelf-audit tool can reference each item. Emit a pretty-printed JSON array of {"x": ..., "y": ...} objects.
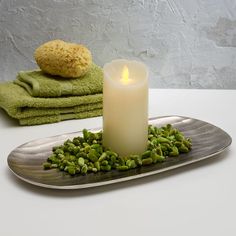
[{"x": 185, "y": 43}]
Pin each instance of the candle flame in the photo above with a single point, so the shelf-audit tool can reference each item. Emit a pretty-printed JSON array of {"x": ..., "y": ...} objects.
[{"x": 125, "y": 74}]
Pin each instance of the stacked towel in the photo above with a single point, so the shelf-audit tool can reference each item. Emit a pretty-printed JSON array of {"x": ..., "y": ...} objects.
[
  {"x": 36, "y": 98},
  {"x": 39, "y": 84}
]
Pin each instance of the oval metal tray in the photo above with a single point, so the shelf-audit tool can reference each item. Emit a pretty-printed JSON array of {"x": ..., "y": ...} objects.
[{"x": 26, "y": 160}]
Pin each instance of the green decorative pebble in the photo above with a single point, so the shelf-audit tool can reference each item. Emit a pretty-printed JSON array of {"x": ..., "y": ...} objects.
[
  {"x": 122, "y": 167},
  {"x": 147, "y": 161},
  {"x": 102, "y": 157},
  {"x": 104, "y": 163},
  {"x": 97, "y": 165},
  {"x": 54, "y": 165},
  {"x": 183, "y": 149},
  {"x": 174, "y": 151},
  {"x": 92, "y": 155},
  {"x": 81, "y": 161},
  {"x": 71, "y": 170},
  {"x": 84, "y": 169},
  {"x": 162, "y": 140},
  {"x": 47, "y": 165},
  {"x": 131, "y": 164},
  {"x": 146, "y": 154},
  {"x": 157, "y": 158},
  {"x": 106, "y": 168}
]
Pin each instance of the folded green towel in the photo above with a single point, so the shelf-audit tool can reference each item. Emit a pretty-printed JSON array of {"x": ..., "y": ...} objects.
[
  {"x": 40, "y": 84},
  {"x": 38, "y": 120},
  {"x": 18, "y": 103}
]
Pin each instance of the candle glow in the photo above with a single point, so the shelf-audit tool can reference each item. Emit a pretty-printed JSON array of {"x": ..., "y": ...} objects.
[
  {"x": 125, "y": 74},
  {"x": 125, "y": 79}
]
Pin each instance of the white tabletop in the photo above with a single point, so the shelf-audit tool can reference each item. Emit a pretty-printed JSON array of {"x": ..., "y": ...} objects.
[{"x": 194, "y": 200}]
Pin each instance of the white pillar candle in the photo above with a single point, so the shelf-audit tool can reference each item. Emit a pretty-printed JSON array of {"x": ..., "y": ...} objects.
[{"x": 125, "y": 107}]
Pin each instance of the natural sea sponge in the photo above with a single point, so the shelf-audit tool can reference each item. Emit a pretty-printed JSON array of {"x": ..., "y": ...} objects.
[{"x": 68, "y": 60}]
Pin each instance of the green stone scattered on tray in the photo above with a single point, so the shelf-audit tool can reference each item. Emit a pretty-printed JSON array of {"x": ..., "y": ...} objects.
[{"x": 86, "y": 154}]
